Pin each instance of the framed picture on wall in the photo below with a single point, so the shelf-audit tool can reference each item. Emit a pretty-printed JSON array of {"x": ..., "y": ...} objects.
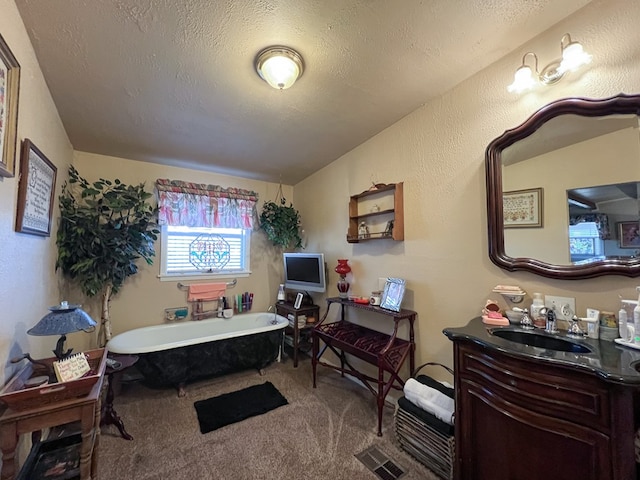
[
  {"x": 9, "y": 87},
  {"x": 522, "y": 208},
  {"x": 629, "y": 234},
  {"x": 36, "y": 190}
]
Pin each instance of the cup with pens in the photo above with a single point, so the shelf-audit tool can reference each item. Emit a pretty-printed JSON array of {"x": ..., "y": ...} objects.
[{"x": 243, "y": 302}]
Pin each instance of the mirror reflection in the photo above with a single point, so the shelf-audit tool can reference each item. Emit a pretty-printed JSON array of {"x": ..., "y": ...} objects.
[
  {"x": 574, "y": 158},
  {"x": 603, "y": 222},
  {"x": 563, "y": 190}
]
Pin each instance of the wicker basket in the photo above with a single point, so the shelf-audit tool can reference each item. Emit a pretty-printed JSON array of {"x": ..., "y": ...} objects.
[
  {"x": 16, "y": 397},
  {"x": 422, "y": 441}
]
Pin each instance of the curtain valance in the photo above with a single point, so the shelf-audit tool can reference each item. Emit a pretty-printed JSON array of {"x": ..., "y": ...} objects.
[
  {"x": 600, "y": 219},
  {"x": 200, "y": 205}
]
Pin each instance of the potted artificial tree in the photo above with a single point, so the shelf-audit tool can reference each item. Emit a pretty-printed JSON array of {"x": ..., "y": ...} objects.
[{"x": 105, "y": 227}]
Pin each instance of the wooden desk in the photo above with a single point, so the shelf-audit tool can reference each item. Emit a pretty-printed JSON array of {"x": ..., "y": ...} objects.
[
  {"x": 86, "y": 409},
  {"x": 294, "y": 329}
]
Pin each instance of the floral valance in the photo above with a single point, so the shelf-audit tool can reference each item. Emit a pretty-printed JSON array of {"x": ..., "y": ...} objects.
[
  {"x": 600, "y": 219},
  {"x": 200, "y": 205}
]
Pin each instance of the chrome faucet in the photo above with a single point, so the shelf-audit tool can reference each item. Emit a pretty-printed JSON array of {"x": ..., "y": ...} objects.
[
  {"x": 551, "y": 321},
  {"x": 275, "y": 314},
  {"x": 525, "y": 322},
  {"x": 574, "y": 328}
]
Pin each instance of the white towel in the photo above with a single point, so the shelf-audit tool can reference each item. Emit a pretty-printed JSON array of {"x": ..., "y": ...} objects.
[{"x": 430, "y": 400}]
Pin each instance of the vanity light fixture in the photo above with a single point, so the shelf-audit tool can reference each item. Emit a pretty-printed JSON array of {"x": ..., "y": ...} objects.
[
  {"x": 279, "y": 66},
  {"x": 573, "y": 57}
]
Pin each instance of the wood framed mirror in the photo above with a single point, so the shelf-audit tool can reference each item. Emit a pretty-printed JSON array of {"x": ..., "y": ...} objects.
[{"x": 576, "y": 161}]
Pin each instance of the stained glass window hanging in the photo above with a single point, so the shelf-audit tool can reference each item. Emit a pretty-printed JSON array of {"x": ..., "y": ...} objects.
[{"x": 209, "y": 252}]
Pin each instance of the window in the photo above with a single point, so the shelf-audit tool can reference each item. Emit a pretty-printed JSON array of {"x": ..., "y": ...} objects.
[
  {"x": 584, "y": 241},
  {"x": 176, "y": 260}
]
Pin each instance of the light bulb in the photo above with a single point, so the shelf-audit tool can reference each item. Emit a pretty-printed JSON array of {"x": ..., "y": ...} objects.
[
  {"x": 523, "y": 80},
  {"x": 573, "y": 57}
]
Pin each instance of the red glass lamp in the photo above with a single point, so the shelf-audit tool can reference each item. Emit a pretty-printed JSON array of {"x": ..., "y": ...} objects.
[{"x": 342, "y": 269}]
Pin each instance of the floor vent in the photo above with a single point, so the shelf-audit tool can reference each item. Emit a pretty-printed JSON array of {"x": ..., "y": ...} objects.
[{"x": 379, "y": 463}]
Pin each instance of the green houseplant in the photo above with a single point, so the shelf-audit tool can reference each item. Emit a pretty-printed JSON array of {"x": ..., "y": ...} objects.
[
  {"x": 105, "y": 227},
  {"x": 281, "y": 223}
]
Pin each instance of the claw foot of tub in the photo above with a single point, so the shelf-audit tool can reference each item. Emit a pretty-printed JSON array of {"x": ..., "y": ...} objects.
[
  {"x": 262, "y": 372},
  {"x": 181, "y": 391}
]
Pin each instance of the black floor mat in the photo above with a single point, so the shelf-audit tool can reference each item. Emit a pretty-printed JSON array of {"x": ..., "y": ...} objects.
[{"x": 233, "y": 407}]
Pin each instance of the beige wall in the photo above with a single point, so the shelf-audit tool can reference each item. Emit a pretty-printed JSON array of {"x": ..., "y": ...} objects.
[
  {"x": 143, "y": 297},
  {"x": 438, "y": 151},
  {"x": 27, "y": 279}
]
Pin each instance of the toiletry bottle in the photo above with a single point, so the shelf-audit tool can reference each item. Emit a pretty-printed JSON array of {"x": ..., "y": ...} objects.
[
  {"x": 622, "y": 323},
  {"x": 636, "y": 320},
  {"x": 220, "y": 306},
  {"x": 281, "y": 295},
  {"x": 539, "y": 320}
]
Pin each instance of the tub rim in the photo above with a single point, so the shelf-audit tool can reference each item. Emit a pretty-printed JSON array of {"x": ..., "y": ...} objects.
[{"x": 112, "y": 345}]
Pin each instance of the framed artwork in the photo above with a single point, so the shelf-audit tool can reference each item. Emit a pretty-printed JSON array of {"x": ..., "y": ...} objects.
[
  {"x": 523, "y": 208},
  {"x": 9, "y": 87},
  {"x": 36, "y": 190},
  {"x": 629, "y": 234},
  {"x": 392, "y": 294}
]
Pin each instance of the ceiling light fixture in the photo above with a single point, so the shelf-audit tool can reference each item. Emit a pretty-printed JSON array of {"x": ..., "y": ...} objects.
[
  {"x": 279, "y": 66},
  {"x": 573, "y": 57}
]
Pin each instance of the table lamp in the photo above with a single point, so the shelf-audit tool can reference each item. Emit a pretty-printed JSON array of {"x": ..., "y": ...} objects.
[{"x": 63, "y": 319}]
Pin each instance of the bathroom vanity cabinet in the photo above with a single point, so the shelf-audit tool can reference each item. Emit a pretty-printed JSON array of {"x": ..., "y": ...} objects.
[{"x": 530, "y": 414}]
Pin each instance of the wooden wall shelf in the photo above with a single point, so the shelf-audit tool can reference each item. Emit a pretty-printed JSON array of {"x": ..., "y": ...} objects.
[{"x": 376, "y": 207}]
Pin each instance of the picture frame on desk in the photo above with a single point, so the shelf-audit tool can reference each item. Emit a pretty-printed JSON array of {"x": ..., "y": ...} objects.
[
  {"x": 298, "y": 303},
  {"x": 393, "y": 294}
]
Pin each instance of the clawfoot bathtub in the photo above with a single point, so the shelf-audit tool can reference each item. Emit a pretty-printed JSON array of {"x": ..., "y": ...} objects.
[{"x": 172, "y": 355}]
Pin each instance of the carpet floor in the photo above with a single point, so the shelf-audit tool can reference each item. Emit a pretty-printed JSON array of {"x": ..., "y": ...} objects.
[{"x": 315, "y": 436}]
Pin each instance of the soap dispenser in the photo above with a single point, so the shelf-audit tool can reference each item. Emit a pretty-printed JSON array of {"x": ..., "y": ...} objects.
[
  {"x": 636, "y": 320},
  {"x": 535, "y": 312},
  {"x": 622, "y": 324}
]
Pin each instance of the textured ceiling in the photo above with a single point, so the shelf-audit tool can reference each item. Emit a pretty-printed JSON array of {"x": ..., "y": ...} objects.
[{"x": 173, "y": 82}]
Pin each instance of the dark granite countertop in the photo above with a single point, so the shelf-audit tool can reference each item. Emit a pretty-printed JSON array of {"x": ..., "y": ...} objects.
[{"x": 607, "y": 359}]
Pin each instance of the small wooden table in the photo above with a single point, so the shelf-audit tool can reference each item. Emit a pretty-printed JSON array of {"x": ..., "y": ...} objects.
[
  {"x": 294, "y": 329},
  {"x": 86, "y": 409},
  {"x": 109, "y": 415}
]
